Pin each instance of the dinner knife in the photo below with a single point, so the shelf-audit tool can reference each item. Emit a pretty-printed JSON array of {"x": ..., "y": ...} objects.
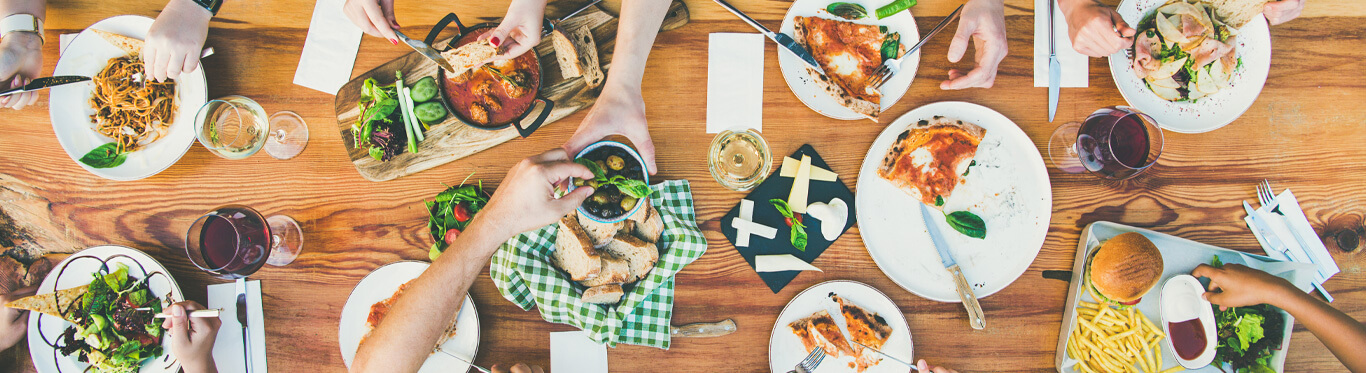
[
  {"x": 975, "y": 316},
  {"x": 242, "y": 319},
  {"x": 46, "y": 82},
  {"x": 1054, "y": 67},
  {"x": 782, "y": 39},
  {"x": 550, "y": 25},
  {"x": 703, "y": 329},
  {"x": 425, "y": 50},
  {"x": 836, "y": 315},
  {"x": 1267, "y": 234}
]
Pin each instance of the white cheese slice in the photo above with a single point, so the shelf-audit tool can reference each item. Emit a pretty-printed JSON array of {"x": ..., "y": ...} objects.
[
  {"x": 790, "y": 166},
  {"x": 746, "y": 213},
  {"x": 783, "y": 262},
  {"x": 754, "y": 228},
  {"x": 801, "y": 185}
]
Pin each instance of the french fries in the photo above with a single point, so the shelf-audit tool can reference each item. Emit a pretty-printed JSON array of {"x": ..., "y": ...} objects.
[{"x": 1109, "y": 340}]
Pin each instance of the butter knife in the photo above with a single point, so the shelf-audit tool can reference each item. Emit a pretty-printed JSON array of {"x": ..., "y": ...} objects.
[
  {"x": 425, "y": 50},
  {"x": 782, "y": 39},
  {"x": 242, "y": 319},
  {"x": 704, "y": 329},
  {"x": 46, "y": 82},
  {"x": 1054, "y": 67},
  {"x": 975, "y": 316}
]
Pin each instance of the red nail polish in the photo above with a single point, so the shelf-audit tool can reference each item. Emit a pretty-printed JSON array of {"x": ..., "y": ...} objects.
[
  {"x": 494, "y": 41},
  {"x": 395, "y": 42}
]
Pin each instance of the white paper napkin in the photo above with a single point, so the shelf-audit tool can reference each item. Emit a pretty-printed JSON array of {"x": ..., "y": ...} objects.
[
  {"x": 227, "y": 349},
  {"x": 735, "y": 81},
  {"x": 574, "y": 352},
  {"x": 1075, "y": 66},
  {"x": 329, "y": 50},
  {"x": 63, "y": 40},
  {"x": 1316, "y": 253}
]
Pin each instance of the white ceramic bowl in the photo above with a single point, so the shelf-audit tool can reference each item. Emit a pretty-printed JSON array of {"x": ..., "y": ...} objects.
[{"x": 1182, "y": 301}]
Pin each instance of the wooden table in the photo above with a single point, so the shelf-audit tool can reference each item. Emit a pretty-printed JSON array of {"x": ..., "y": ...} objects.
[{"x": 1305, "y": 132}]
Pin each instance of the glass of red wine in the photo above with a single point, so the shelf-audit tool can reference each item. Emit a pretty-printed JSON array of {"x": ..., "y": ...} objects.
[
  {"x": 234, "y": 241},
  {"x": 1115, "y": 143}
]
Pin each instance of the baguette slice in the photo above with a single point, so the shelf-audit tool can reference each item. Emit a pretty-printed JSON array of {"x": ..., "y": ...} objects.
[
  {"x": 604, "y": 294},
  {"x": 130, "y": 45},
  {"x": 574, "y": 250},
  {"x": 614, "y": 271},
  {"x": 51, "y": 303},
  {"x": 638, "y": 254},
  {"x": 566, "y": 54},
  {"x": 1237, "y": 13},
  {"x": 469, "y": 56},
  {"x": 651, "y": 228},
  {"x": 601, "y": 233}
]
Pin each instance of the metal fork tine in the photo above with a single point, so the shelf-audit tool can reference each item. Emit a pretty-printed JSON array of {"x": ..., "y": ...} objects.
[
  {"x": 1264, "y": 193},
  {"x": 813, "y": 359}
]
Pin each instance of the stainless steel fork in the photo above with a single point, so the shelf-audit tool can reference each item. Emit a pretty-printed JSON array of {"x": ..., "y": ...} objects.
[
  {"x": 893, "y": 66},
  {"x": 811, "y": 361},
  {"x": 1267, "y": 197}
]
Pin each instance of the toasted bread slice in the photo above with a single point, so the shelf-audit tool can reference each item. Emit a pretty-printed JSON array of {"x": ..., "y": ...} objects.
[
  {"x": 638, "y": 254},
  {"x": 603, "y": 294},
  {"x": 1237, "y": 13},
  {"x": 51, "y": 303},
  {"x": 469, "y": 56},
  {"x": 651, "y": 228},
  {"x": 614, "y": 271},
  {"x": 130, "y": 45},
  {"x": 574, "y": 252},
  {"x": 601, "y": 233}
]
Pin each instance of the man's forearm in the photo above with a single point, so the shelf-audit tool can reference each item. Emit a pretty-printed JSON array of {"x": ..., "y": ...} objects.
[
  {"x": 429, "y": 305},
  {"x": 36, "y": 8},
  {"x": 1344, "y": 336},
  {"x": 640, "y": 22}
]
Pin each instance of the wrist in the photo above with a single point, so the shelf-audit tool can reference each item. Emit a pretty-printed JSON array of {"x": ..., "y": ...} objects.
[
  {"x": 24, "y": 40},
  {"x": 200, "y": 12}
]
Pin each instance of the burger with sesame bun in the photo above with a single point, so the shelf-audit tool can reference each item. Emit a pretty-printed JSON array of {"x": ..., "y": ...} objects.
[{"x": 1123, "y": 269}]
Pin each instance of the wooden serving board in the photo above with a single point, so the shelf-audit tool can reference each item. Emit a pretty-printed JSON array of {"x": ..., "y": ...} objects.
[{"x": 451, "y": 140}]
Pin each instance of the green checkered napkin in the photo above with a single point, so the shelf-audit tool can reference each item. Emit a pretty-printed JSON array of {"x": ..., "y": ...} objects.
[{"x": 522, "y": 271}]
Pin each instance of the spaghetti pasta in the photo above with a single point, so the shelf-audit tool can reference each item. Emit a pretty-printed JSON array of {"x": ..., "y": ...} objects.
[{"x": 132, "y": 113}]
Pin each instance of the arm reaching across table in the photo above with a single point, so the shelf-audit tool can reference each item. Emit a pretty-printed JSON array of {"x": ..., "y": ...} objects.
[
  {"x": 983, "y": 24},
  {"x": 21, "y": 53},
  {"x": 523, "y": 202}
]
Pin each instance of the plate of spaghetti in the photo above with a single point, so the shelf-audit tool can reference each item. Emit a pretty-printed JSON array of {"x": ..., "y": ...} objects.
[{"x": 119, "y": 125}]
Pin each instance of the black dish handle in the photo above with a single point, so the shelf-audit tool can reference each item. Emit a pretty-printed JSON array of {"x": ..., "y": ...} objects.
[
  {"x": 546, "y": 107},
  {"x": 445, "y": 21}
]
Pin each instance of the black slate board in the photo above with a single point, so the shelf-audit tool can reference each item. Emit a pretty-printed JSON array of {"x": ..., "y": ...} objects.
[{"x": 764, "y": 213}]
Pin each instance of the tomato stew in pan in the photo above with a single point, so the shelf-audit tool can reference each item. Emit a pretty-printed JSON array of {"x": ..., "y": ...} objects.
[{"x": 497, "y": 94}]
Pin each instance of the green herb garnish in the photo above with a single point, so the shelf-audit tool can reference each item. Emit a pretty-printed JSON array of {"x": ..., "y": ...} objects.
[
  {"x": 891, "y": 46},
  {"x": 635, "y": 188},
  {"x": 968, "y": 223},
  {"x": 105, "y": 156},
  {"x": 849, "y": 11},
  {"x": 798, "y": 232}
]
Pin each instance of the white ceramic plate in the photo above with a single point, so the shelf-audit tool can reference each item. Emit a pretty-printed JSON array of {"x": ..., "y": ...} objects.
[
  {"x": 1209, "y": 113},
  {"x": 785, "y": 350},
  {"x": 44, "y": 331},
  {"x": 380, "y": 285},
  {"x": 69, "y": 105},
  {"x": 1008, "y": 188},
  {"x": 794, "y": 69}
]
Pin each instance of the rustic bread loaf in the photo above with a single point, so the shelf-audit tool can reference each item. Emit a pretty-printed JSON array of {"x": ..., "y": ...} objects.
[
  {"x": 650, "y": 228},
  {"x": 1237, "y": 13},
  {"x": 574, "y": 251},
  {"x": 638, "y": 254}
]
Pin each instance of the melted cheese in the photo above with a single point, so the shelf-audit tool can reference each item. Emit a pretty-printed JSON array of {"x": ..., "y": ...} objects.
[{"x": 844, "y": 64}]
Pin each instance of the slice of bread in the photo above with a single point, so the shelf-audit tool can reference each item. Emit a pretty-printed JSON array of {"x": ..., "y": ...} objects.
[
  {"x": 129, "y": 45},
  {"x": 566, "y": 54},
  {"x": 638, "y": 254},
  {"x": 574, "y": 251},
  {"x": 1237, "y": 13},
  {"x": 469, "y": 56},
  {"x": 586, "y": 56},
  {"x": 651, "y": 228},
  {"x": 614, "y": 271},
  {"x": 604, "y": 294},
  {"x": 601, "y": 233}
]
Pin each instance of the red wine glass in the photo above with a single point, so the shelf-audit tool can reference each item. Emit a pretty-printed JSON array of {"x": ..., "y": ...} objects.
[
  {"x": 1115, "y": 143},
  {"x": 234, "y": 241}
]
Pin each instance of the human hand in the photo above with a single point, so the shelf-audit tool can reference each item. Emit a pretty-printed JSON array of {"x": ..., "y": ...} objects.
[
  {"x": 1097, "y": 30},
  {"x": 1240, "y": 286},
  {"x": 191, "y": 338},
  {"x": 13, "y": 322},
  {"x": 922, "y": 367},
  {"x": 21, "y": 60},
  {"x": 519, "y": 368},
  {"x": 374, "y": 17},
  {"x": 526, "y": 200},
  {"x": 616, "y": 112},
  {"x": 519, "y": 31},
  {"x": 1282, "y": 11},
  {"x": 983, "y": 22},
  {"x": 175, "y": 39}
]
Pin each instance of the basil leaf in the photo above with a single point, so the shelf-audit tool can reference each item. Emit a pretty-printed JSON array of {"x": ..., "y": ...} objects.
[
  {"x": 938, "y": 200},
  {"x": 968, "y": 223},
  {"x": 598, "y": 173},
  {"x": 848, "y": 11},
  {"x": 104, "y": 156},
  {"x": 891, "y": 46},
  {"x": 798, "y": 236},
  {"x": 782, "y": 207},
  {"x": 634, "y": 188}
]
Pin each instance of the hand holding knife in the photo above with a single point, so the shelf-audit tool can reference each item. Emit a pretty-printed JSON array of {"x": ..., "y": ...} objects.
[
  {"x": 976, "y": 318},
  {"x": 47, "y": 82}
]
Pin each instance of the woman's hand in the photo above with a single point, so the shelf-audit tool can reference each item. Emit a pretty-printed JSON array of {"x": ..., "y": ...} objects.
[
  {"x": 983, "y": 23},
  {"x": 1278, "y": 12},
  {"x": 1097, "y": 30},
  {"x": 175, "y": 40},
  {"x": 526, "y": 200},
  {"x": 191, "y": 338},
  {"x": 926, "y": 368},
  {"x": 21, "y": 60},
  {"x": 13, "y": 322},
  {"x": 374, "y": 17},
  {"x": 1239, "y": 286},
  {"x": 616, "y": 112},
  {"x": 519, "y": 31}
]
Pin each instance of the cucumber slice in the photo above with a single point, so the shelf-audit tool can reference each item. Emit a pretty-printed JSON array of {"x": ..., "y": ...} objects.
[
  {"x": 431, "y": 112},
  {"x": 424, "y": 90}
]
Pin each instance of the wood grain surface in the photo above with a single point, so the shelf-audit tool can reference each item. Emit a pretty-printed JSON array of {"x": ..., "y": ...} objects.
[{"x": 1305, "y": 132}]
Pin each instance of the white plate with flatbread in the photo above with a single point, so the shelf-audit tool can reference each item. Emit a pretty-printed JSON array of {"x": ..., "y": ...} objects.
[
  {"x": 380, "y": 285},
  {"x": 1008, "y": 188},
  {"x": 785, "y": 349},
  {"x": 807, "y": 89},
  {"x": 1206, "y": 114},
  {"x": 70, "y": 109}
]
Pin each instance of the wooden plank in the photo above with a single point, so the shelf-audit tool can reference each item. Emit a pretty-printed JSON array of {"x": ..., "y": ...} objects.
[{"x": 452, "y": 139}]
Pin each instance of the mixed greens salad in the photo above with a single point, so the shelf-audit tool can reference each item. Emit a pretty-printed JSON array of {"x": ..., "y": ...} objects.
[
  {"x": 1248, "y": 336},
  {"x": 394, "y": 117},
  {"x": 451, "y": 213},
  {"x": 111, "y": 334}
]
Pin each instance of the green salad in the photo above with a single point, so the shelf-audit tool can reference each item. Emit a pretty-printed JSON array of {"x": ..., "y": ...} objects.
[
  {"x": 111, "y": 334},
  {"x": 452, "y": 212},
  {"x": 1248, "y": 336}
]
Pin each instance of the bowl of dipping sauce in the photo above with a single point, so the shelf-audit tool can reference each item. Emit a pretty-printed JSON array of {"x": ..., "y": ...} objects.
[{"x": 1188, "y": 320}]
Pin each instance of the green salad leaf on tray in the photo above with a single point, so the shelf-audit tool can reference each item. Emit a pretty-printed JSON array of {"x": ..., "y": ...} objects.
[
  {"x": 451, "y": 212},
  {"x": 111, "y": 334},
  {"x": 1248, "y": 336}
]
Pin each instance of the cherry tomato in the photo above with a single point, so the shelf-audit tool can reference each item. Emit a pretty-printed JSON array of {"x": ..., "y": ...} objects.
[
  {"x": 799, "y": 218},
  {"x": 450, "y": 236},
  {"x": 787, "y": 221},
  {"x": 460, "y": 212}
]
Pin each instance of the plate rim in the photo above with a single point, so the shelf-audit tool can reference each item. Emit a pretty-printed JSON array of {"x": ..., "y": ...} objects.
[
  {"x": 778, "y": 321},
  {"x": 469, "y": 299}
]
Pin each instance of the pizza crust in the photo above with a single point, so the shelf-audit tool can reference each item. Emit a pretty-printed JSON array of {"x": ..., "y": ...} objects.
[
  {"x": 867, "y": 109},
  {"x": 902, "y": 147}
]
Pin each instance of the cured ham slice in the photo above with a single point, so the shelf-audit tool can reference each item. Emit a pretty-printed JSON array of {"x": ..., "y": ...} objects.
[{"x": 1144, "y": 62}]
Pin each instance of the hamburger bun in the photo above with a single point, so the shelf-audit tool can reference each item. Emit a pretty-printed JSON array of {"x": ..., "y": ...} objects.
[{"x": 1123, "y": 269}]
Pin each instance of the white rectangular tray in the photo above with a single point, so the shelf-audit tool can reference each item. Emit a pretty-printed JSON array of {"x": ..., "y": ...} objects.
[{"x": 1179, "y": 256}]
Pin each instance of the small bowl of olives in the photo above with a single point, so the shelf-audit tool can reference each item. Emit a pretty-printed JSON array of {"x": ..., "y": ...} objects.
[{"x": 620, "y": 181}]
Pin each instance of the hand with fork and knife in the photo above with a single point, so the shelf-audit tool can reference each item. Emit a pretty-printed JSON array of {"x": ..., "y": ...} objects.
[
  {"x": 190, "y": 339},
  {"x": 1096, "y": 29}
]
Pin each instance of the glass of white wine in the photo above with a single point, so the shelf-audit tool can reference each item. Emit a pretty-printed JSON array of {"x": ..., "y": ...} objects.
[
  {"x": 235, "y": 127},
  {"x": 739, "y": 159}
]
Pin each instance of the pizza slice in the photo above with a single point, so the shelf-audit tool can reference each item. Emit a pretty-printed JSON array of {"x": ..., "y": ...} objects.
[
  {"x": 931, "y": 158},
  {"x": 849, "y": 53},
  {"x": 820, "y": 331},
  {"x": 865, "y": 328}
]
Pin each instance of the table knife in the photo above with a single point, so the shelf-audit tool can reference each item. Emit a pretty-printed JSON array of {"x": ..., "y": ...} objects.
[
  {"x": 46, "y": 82},
  {"x": 836, "y": 315},
  {"x": 782, "y": 39},
  {"x": 1276, "y": 244},
  {"x": 704, "y": 329},
  {"x": 242, "y": 319},
  {"x": 550, "y": 25},
  {"x": 425, "y": 50},
  {"x": 975, "y": 316},
  {"x": 1054, "y": 67}
]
